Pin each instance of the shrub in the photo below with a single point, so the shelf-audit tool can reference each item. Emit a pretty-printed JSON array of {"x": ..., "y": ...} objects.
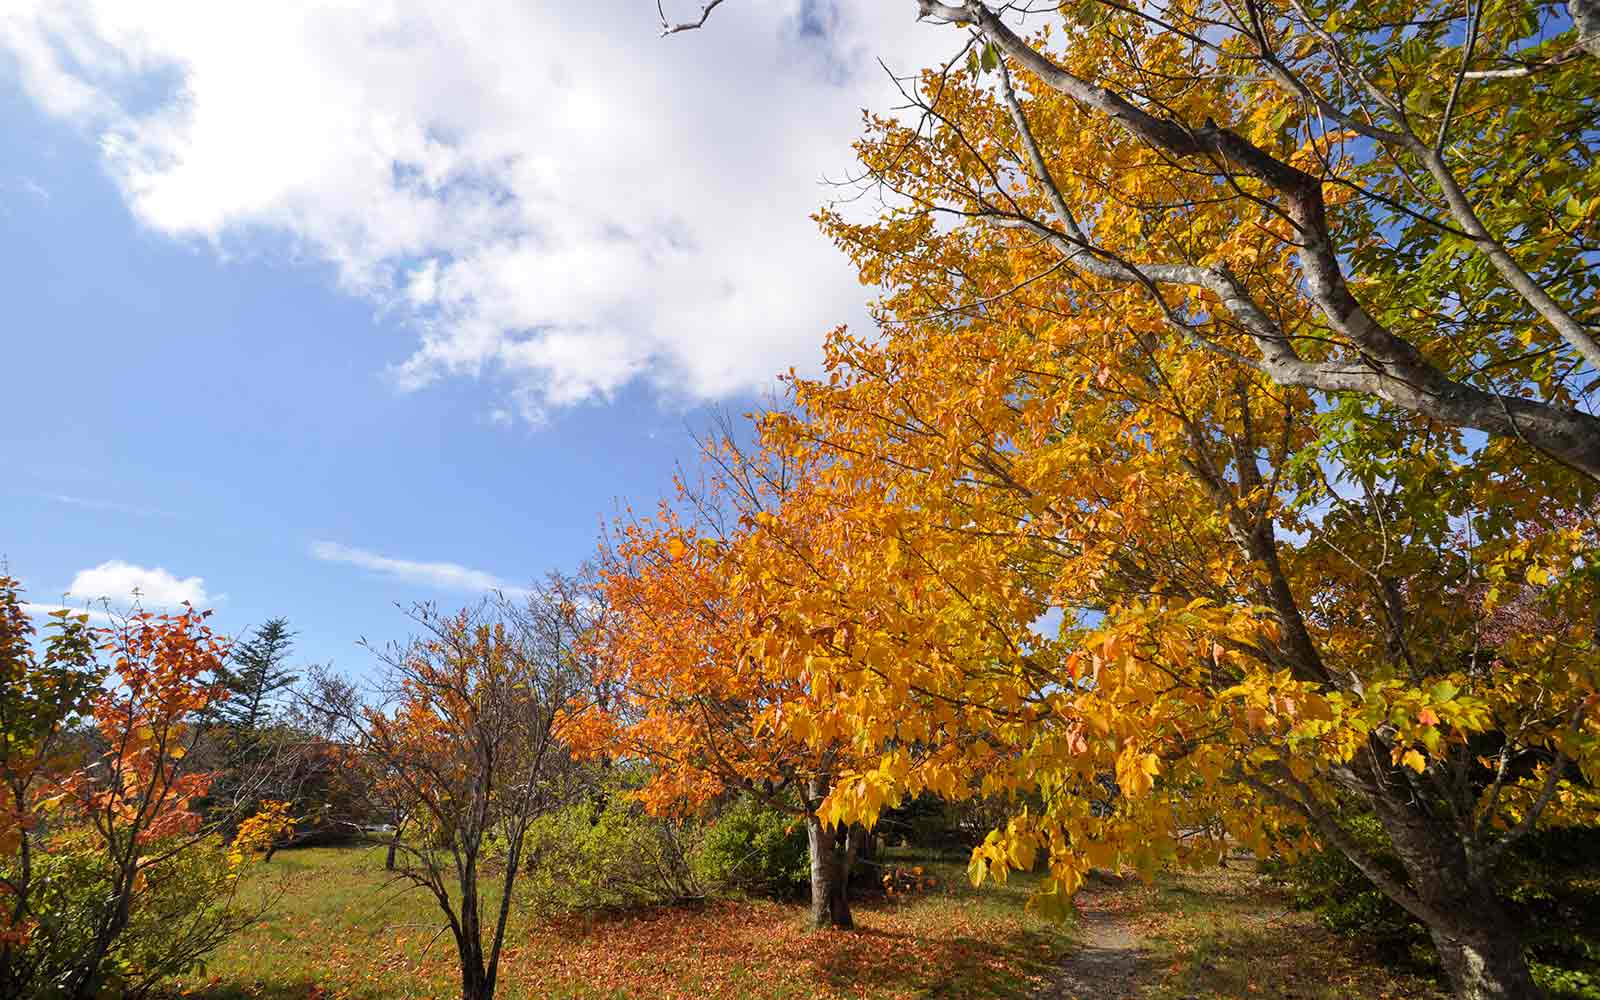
[
  {"x": 754, "y": 848},
  {"x": 184, "y": 908},
  {"x": 1347, "y": 902},
  {"x": 1552, "y": 887},
  {"x": 1552, "y": 892},
  {"x": 605, "y": 853}
]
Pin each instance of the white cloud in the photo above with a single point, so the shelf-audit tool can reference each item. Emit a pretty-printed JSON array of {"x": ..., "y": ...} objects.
[
  {"x": 122, "y": 583},
  {"x": 549, "y": 193},
  {"x": 45, "y": 610},
  {"x": 440, "y": 575}
]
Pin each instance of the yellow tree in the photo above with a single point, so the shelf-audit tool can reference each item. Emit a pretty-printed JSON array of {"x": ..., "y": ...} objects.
[
  {"x": 1425, "y": 168},
  {"x": 1251, "y": 649},
  {"x": 1257, "y": 339}
]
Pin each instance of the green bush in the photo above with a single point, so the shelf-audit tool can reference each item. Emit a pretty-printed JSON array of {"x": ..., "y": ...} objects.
[
  {"x": 607, "y": 853},
  {"x": 1346, "y": 901},
  {"x": 183, "y": 908},
  {"x": 1550, "y": 888},
  {"x": 754, "y": 848}
]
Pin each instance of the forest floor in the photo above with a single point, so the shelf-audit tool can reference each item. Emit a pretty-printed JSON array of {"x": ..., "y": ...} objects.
[
  {"x": 336, "y": 928},
  {"x": 1224, "y": 933},
  {"x": 1110, "y": 958}
]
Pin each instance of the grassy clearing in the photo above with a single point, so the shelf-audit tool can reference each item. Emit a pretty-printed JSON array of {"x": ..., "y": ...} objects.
[
  {"x": 1223, "y": 934},
  {"x": 338, "y": 931},
  {"x": 335, "y": 931}
]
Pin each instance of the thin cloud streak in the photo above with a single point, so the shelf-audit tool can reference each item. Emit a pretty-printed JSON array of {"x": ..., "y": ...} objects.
[
  {"x": 438, "y": 575},
  {"x": 110, "y": 506}
]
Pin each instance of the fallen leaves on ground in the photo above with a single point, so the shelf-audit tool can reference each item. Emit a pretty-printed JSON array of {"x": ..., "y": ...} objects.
[{"x": 940, "y": 943}]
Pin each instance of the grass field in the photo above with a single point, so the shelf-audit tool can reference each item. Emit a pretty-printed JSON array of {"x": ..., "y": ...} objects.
[
  {"x": 337, "y": 929},
  {"x": 1221, "y": 934}
]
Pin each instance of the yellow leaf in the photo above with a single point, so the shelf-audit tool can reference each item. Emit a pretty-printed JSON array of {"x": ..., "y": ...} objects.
[
  {"x": 976, "y": 871},
  {"x": 1022, "y": 853}
]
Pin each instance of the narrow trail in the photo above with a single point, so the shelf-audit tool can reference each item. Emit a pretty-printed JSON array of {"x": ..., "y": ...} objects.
[
  {"x": 1216, "y": 933},
  {"x": 1111, "y": 963}
]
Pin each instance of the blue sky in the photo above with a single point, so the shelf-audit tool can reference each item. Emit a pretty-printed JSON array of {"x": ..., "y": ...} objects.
[
  {"x": 315, "y": 307},
  {"x": 214, "y": 417},
  {"x": 321, "y": 305}
]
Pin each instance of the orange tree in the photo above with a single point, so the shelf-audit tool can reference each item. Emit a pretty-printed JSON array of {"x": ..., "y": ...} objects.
[
  {"x": 706, "y": 716},
  {"x": 108, "y": 877},
  {"x": 463, "y": 740}
]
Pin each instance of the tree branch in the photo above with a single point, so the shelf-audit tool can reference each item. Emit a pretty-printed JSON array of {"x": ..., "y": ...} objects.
[{"x": 671, "y": 28}]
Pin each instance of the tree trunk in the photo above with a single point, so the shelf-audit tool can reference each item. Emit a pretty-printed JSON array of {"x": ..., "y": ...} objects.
[
  {"x": 399, "y": 825},
  {"x": 1479, "y": 948},
  {"x": 1486, "y": 964},
  {"x": 473, "y": 986},
  {"x": 830, "y": 901},
  {"x": 474, "y": 983}
]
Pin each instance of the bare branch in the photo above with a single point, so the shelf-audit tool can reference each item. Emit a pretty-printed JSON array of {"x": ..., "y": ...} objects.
[{"x": 671, "y": 28}]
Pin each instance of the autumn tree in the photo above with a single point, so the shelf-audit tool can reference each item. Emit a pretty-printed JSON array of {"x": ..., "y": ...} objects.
[
  {"x": 1256, "y": 339},
  {"x": 462, "y": 735},
  {"x": 1424, "y": 169},
  {"x": 1254, "y": 645},
  {"x": 1246, "y": 649},
  {"x": 42, "y": 692},
  {"x": 109, "y": 877},
  {"x": 706, "y": 717},
  {"x": 373, "y": 802}
]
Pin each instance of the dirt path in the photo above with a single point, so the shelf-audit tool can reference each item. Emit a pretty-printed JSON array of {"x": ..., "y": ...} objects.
[
  {"x": 1112, "y": 963},
  {"x": 1220, "y": 932}
]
